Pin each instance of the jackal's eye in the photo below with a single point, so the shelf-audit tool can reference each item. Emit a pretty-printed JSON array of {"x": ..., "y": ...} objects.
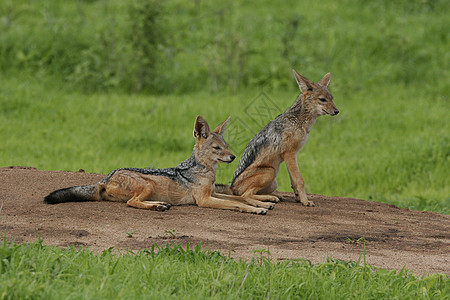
[
  {"x": 323, "y": 100},
  {"x": 216, "y": 147}
]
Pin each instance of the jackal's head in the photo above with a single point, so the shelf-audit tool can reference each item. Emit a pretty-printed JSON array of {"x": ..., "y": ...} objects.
[
  {"x": 315, "y": 96},
  {"x": 210, "y": 145}
]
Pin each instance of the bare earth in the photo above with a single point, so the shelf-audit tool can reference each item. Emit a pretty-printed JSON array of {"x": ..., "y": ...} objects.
[{"x": 395, "y": 238}]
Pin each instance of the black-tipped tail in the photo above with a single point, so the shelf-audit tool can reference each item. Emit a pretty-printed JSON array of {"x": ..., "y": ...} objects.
[{"x": 71, "y": 194}]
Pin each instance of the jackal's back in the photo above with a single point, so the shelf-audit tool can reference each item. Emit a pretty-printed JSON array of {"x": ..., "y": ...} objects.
[{"x": 269, "y": 137}]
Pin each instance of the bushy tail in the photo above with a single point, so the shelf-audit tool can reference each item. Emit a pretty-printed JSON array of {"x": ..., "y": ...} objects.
[
  {"x": 73, "y": 194},
  {"x": 223, "y": 189}
]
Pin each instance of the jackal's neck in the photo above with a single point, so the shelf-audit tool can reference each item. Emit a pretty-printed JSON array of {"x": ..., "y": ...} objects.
[
  {"x": 299, "y": 114},
  {"x": 202, "y": 162}
]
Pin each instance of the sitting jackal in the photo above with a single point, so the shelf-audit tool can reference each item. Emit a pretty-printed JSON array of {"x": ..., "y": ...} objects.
[{"x": 280, "y": 140}]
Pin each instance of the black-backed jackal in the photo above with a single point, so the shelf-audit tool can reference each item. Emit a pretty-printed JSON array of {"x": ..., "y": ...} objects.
[
  {"x": 190, "y": 182},
  {"x": 280, "y": 140}
]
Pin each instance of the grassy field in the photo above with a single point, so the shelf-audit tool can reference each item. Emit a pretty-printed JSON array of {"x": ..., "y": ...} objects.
[
  {"x": 183, "y": 46},
  {"x": 171, "y": 272},
  {"x": 98, "y": 85},
  {"x": 389, "y": 145}
]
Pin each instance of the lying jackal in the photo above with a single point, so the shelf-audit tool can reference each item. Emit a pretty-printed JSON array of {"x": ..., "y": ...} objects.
[
  {"x": 190, "y": 182},
  {"x": 280, "y": 140}
]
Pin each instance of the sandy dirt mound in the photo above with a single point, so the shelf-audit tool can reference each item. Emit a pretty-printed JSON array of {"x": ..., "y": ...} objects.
[{"x": 395, "y": 238}]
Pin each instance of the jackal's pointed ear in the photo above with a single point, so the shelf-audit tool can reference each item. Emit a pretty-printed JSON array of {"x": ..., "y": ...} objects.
[
  {"x": 303, "y": 83},
  {"x": 201, "y": 128},
  {"x": 220, "y": 129},
  {"x": 325, "y": 81}
]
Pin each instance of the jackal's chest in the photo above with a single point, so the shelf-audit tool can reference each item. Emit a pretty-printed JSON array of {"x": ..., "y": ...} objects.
[
  {"x": 294, "y": 141},
  {"x": 302, "y": 141}
]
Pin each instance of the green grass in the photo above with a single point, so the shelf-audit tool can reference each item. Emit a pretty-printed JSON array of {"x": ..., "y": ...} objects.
[
  {"x": 226, "y": 45},
  {"x": 171, "y": 272}
]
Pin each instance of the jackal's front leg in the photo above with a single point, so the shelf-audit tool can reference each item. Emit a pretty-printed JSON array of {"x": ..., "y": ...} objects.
[
  {"x": 296, "y": 178},
  {"x": 212, "y": 202},
  {"x": 249, "y": 201}
]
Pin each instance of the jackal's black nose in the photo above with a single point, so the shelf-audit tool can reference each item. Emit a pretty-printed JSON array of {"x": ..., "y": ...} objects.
[
  {"x": 336, "y": 112},
  {"x": 232, "y": 157}
]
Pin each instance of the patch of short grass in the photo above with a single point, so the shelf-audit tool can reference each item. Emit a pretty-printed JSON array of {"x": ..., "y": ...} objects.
[{"x": 37, "y": 271}]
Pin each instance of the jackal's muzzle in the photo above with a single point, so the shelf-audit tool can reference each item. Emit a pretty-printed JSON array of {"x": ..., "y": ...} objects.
[{"x": 228, "y": 160}]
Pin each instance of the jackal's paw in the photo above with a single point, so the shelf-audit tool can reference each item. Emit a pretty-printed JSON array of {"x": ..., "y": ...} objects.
[
  {"x": 273, "y": 199},
  {"x": 308, "y": 203},
  {"x": 268, "y": 205},
  {"x": 260, "y": 211},
  {"x": 162, "y": 207}
]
